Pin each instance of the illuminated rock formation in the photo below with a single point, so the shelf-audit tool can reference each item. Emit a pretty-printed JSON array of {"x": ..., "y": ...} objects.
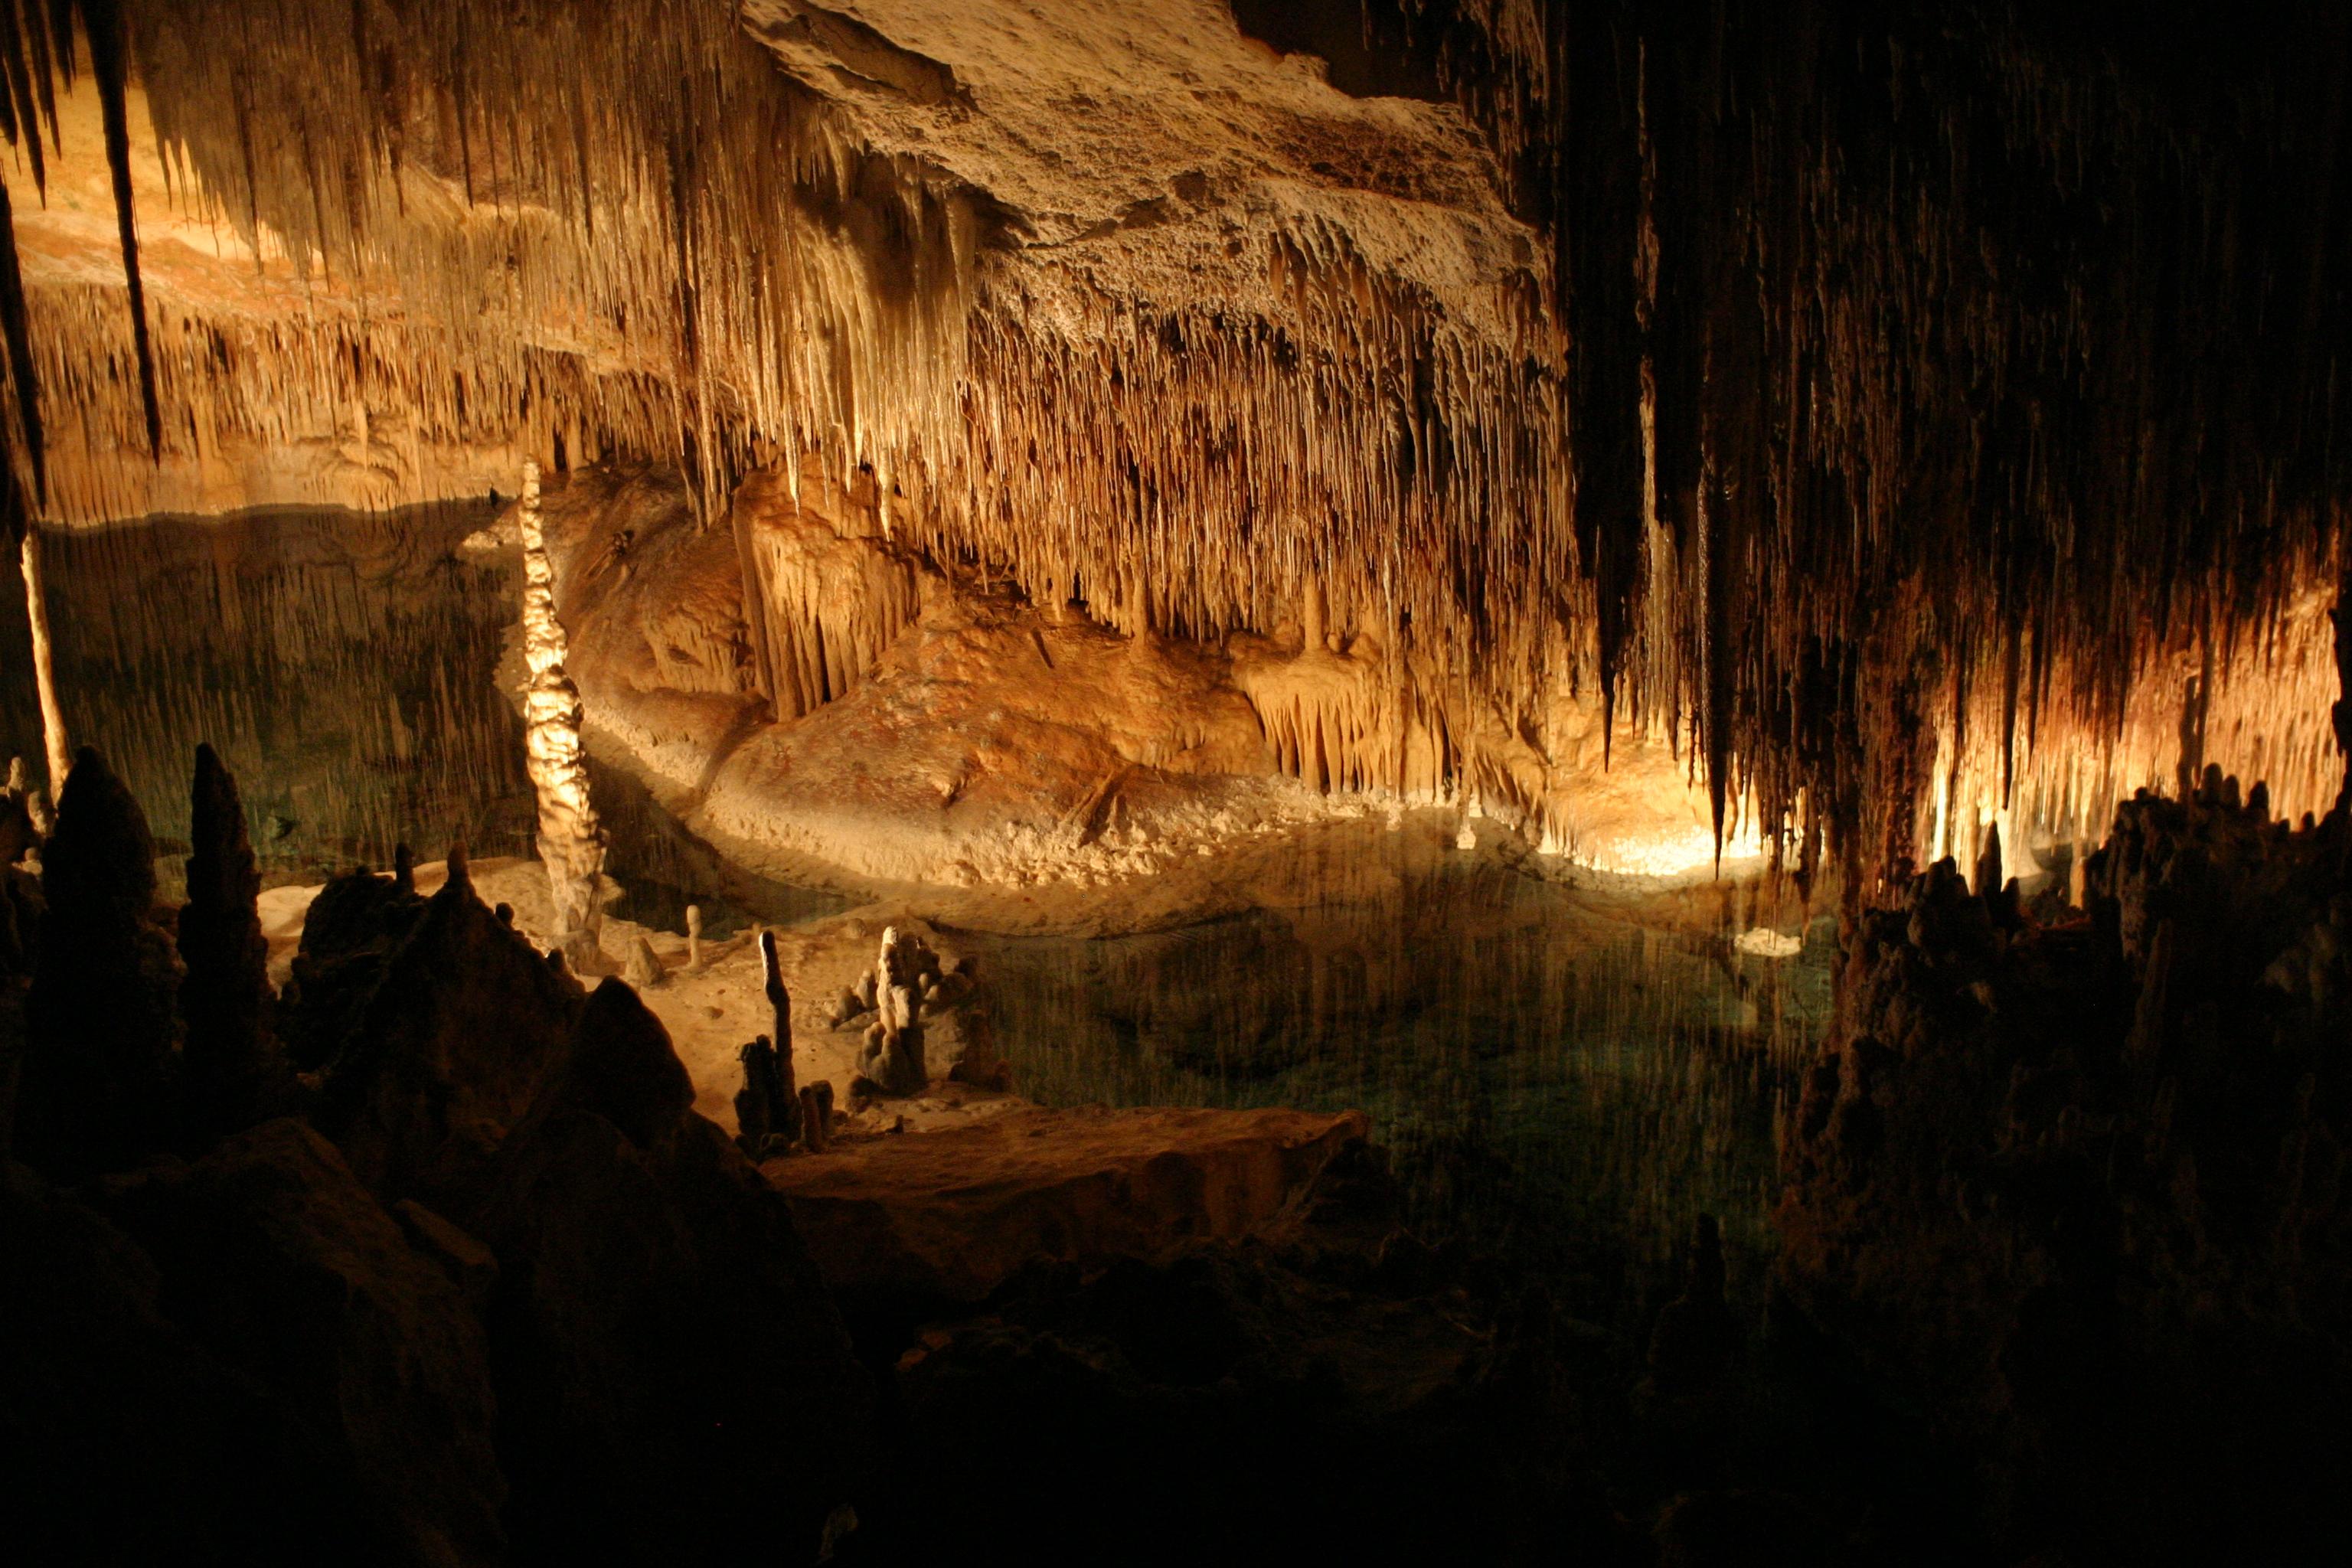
[
  {"x": 1658, "y": 354},
  {"x": 59, "y": 754},
  {"x": 571, "y": 839}
]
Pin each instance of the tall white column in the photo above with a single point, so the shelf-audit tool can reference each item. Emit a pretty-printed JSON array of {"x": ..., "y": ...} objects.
[
  {"x": 571, "y": 839},
  {"x": 44, "y": 675}
]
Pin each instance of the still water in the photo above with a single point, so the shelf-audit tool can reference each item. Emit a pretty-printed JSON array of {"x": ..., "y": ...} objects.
[{"x": 1563, "y": 1078}]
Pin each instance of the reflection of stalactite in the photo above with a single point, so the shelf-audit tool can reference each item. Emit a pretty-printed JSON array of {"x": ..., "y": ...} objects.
[
  {"x": 571, "y": 839},
  {"x": 44, "y": 674}
]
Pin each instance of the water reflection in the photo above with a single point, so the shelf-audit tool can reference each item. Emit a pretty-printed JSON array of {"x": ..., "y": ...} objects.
[
  {"x": 336, "y": 661},
  {"x": 1566, "y": 1078},
  {"x": 347, "y": 668},
  {"x": 1563, "y": 1078}
]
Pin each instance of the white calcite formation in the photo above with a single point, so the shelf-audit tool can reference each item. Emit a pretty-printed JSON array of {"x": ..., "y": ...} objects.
[{"x": 571, "y": 839}]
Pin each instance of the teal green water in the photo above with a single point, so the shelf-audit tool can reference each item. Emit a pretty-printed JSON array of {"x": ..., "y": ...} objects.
[
  {"x": 1565, "y": 1078},
  {"x": 344, "y": 666}
]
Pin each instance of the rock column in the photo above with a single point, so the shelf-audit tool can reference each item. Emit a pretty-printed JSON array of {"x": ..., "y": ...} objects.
[
  {"x": 571, "y": 838},
  {"x": 44, "y": 677}
]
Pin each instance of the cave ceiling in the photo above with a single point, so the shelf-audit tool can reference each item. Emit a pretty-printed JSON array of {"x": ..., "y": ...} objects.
[{"x": 1794, "y": 379}]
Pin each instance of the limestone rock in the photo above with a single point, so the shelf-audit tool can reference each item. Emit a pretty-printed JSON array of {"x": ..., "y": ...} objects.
[
  {"x": 643, "y": 966},
  {"x": 948, "y": 1216}
]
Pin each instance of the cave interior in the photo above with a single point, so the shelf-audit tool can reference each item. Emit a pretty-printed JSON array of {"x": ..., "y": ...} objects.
[{"x": 1108, "y": 780}]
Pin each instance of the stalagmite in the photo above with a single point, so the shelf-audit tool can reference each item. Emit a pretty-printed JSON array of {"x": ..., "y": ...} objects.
[
  {"x": 694, "y": 939},
  {"x": 780, "y": 1011},
  {"x": 225, "y": 997},
  {"x": 817, "y": 1116},
  {"x": 99, "y": 1022},
  {"x": 571, "y": 839},
  {"x": 892, "y": 1059}
]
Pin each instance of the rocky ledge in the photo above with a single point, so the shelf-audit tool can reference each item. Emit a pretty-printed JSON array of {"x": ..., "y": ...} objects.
[{"x": 951, "y": 1214}]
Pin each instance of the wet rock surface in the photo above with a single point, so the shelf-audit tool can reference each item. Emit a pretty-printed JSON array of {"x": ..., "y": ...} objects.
[{"x": 948, "y": 1216}]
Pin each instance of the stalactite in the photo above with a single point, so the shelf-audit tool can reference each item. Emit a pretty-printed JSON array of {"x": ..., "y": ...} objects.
[
  {"x": 1832, "y": 398},
  {"x": 18, "y": 333},
  {"x": 110, "y": 68},
  {"x": 829, "y": 596}
]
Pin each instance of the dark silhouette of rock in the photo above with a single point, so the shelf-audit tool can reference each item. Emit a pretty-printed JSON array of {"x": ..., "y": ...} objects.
[
  {"x": 462, "y": 1028},
  {"x": 1425, "y": 1426},
  {"x": 674, "y": 1384},
  {"x": 1690, "y": 1347},
  {"x": 350, "y": 933},
  {"x": 469, "y": 1265},
  {"x": 783, "y": 1091},
  {"x": 22, "y": 911},
  {"x": 279, "y": 1263},
  {"x": 125, "y": 1440},
  {"x": 16, "y": 831},
  {"x": 621, "y": 1066},
  {"x": 225, "y": 1001},
  {"x": 95, "y": 1088},
  {"x": 1742, "y": 1529},
  {"x": 755, "y": 1102},
  {"x": 2077, "y": 1189},
  {"x": 817, "y": 1116}
]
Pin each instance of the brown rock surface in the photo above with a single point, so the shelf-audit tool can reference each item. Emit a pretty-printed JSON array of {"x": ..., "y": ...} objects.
[
  {"x": 99, "y": 1025},
  {"x": 123, "y": 1437},
  {"x": 950, "y": 1214},
  {"x": 2079, "y": 1190}
]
